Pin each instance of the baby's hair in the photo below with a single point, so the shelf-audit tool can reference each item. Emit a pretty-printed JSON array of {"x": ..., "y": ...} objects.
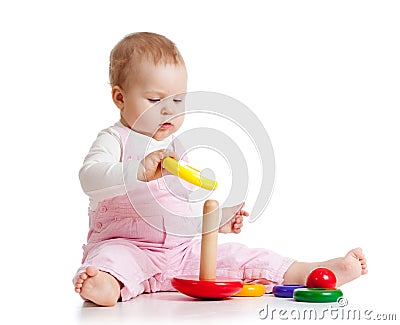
[{"x": 136, "y": 47}]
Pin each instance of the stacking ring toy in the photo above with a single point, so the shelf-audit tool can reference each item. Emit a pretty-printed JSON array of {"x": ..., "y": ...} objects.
[
  {"x": 206, "y": 285},
  {"x": 188, "y": 173},
  {"x": 317, "y": 295},
  {"x": 251, "y": 290},
  {"x": 286, "y": 290},
  {"x": 218, "y": 288}
]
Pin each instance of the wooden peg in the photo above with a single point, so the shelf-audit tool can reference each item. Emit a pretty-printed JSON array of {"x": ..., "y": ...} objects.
[{"x": 209, "y": 241}]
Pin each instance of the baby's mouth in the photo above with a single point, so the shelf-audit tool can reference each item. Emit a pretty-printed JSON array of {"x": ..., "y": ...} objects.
[{"x": 165, "y": 126}]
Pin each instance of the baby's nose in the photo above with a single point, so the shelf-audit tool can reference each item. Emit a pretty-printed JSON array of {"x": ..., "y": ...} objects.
[{"x": 167, "y": 109}]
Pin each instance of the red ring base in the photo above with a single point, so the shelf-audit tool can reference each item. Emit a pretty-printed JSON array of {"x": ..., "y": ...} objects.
[{"x": 220, "y": 288}]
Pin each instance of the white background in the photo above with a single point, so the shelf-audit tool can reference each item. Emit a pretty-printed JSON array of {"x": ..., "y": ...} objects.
[{"x": 322, "y": 76}]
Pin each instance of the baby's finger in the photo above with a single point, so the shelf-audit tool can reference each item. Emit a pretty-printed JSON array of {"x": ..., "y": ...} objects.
[
  {"x": 158, "y": 156},
  {"x": 236, "y": 231},
  {"x": 238, "y": 225},
  {"x": 155, "y": 155},
  {"x": 169, "y": 153}
]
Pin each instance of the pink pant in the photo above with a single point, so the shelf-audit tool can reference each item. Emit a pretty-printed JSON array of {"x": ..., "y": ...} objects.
[{"x": 145, "y": 259}]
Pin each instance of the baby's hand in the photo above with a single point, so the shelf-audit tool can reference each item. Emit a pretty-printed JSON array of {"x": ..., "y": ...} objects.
[
  {"x": 151, "y": 165},
  {"x": 232, "y": 219}
]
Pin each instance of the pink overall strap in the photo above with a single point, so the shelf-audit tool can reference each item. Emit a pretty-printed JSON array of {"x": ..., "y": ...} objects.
[
  {"x": 123, "y": 135},
  {"x": 126, "y": 153}
]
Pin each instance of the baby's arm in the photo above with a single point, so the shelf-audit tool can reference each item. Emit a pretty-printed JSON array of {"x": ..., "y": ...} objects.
[{"x": 102, "y": 175}]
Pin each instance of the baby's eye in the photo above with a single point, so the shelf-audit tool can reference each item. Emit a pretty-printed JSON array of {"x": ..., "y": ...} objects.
[
  {"x": 177, "y": 100},
  {"x": 153, "y": 100}
]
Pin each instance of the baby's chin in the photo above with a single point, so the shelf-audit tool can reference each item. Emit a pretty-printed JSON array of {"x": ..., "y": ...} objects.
[{"x": 162, "y": 134}]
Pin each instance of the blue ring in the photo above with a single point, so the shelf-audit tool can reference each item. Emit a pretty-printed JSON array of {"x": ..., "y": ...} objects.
[{"x": 286, "y": 290}]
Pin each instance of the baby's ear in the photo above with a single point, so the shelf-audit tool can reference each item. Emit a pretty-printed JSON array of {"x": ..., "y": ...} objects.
[{"x": 118, "y": 97}]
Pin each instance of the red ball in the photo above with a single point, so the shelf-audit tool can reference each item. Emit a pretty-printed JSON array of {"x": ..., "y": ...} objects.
[{"x": 321, "y": 277}]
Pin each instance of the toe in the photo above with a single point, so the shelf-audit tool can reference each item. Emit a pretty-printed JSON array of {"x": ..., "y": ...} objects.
[
  {"x": 92, "y": 271},
  {"x": 82, "y": 277},
  {"x": 357, "y": 253}
]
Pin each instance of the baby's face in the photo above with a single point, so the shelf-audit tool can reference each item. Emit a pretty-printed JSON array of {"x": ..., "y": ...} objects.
[{"x": 143, "y": 108}]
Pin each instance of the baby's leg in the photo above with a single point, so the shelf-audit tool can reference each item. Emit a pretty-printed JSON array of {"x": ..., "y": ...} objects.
[
  {"x": 113, "y": 269},
  {"x": 346, "y": 268},
  {"x": 98, "y": 286}
]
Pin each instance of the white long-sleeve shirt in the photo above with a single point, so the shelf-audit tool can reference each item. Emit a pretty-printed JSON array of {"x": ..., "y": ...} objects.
[{"x": 102, "y": 175}]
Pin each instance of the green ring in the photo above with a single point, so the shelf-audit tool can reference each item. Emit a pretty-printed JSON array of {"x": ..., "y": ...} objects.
[{"x": 317, "y": 295}]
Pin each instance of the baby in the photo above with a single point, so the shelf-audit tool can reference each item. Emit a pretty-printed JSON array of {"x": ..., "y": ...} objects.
[{"x": 136, "y": 248}]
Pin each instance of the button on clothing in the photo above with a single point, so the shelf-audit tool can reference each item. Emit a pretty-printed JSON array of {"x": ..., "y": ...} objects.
[{"x": 145, "y": 237}]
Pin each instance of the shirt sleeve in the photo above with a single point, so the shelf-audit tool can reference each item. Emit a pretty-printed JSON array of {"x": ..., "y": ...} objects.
[{"x": 102, "y": 175}]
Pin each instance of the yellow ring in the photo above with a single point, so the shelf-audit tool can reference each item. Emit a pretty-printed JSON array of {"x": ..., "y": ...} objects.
[
  {"x": 251, "y": 290},
  {"x": 188, "y": 173}
]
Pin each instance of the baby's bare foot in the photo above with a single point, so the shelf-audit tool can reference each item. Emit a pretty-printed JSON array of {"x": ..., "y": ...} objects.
[
  {"x": 98, "y": 286},
  {"x": 349, "y": 267},
  {"x": 346, "y": 268}
]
